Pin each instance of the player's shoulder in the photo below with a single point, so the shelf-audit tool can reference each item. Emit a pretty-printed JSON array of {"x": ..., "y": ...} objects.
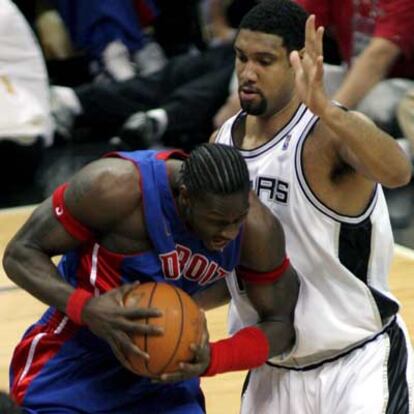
[
  {"x": 263, "y": 237},
  {"x": 109, "y": 175},
  {"x": 259, "y": 211},
  {"x": 259, "y": 219},
  {"x": 106, "y": 185}
]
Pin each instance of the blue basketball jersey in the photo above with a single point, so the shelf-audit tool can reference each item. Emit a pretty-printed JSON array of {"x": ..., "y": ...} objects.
[{"x": 178, "y": 256}]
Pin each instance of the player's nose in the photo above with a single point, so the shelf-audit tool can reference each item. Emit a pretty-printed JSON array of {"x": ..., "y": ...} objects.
[{"x": 248, "y": 73}]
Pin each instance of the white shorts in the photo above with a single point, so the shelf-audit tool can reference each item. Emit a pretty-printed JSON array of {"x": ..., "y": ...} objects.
[{"x": 376, "y": 378}]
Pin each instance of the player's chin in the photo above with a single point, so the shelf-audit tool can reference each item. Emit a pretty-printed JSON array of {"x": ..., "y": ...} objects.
[
  {"x": 248, "y": 103},
  {"x": 255, "y": 108}
]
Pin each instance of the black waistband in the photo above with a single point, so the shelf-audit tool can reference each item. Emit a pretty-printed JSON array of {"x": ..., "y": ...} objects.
[{"x": 387, "y": 328}]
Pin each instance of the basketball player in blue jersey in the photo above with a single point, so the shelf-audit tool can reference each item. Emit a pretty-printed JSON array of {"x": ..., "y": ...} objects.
[
  {"x": 319, "y": 168},
  {"x": 143, "y": 216}
]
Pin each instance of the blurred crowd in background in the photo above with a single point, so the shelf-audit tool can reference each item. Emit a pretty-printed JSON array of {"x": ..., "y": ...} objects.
[{"x": 135, "y": 74}]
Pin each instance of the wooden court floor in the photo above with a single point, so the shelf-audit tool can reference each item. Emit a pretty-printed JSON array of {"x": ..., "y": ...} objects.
[{"x": 18, "y": 310}]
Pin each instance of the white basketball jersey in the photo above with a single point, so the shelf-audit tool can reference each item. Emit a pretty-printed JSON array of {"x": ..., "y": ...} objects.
[{"x": 342, "y": 261}]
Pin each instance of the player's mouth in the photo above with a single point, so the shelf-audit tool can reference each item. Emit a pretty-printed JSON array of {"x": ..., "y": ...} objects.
[
  {"x": 247, "y": 94},
  {"x": 219, "y": 243}
]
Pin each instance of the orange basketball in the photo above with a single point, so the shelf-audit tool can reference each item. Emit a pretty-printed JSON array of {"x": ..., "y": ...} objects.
[{"x": 182, "y": 323}]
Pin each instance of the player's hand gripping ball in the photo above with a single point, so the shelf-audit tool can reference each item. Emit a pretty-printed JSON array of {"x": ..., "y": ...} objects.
[{"x": 182, "y": 322}]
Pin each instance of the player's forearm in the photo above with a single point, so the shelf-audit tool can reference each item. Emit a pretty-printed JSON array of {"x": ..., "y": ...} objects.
[
  {"x": 214, "y": 296},
  {"x": 33, "y": 271},
  {"x": 371, "y": 67},
  {"x": 277, "y": 319},
  {"x": 377, "y": 155},
  {"x": 280, "y": 334}
]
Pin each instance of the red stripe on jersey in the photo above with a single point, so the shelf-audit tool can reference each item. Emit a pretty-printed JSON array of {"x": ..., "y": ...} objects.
[
  {"x": 99, "y": 268},
  {"x": 39, "y": 346},
  {"x": 83, "y": 271},
  {"x": 165, "y": 155},
  {"x": 108, "y": 269}
]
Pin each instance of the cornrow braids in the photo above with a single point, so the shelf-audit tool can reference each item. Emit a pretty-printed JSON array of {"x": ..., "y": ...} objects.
[{"x": 216, "y": 169}]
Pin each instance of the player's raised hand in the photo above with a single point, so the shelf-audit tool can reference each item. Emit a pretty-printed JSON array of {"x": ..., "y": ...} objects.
[
  {"x": 309, "y": 69},
  {"x": 107, "y": 317},
  {"x": 196, "y": 367}
]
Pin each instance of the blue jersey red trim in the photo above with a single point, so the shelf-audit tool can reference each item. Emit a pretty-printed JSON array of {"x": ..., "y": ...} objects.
[{"x": 55, "y": 361}]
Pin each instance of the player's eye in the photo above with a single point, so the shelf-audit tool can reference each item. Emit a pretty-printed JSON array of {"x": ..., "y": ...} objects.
[
  {"x": 242, "y": 58},
  {"x": 265, "y": 62}
]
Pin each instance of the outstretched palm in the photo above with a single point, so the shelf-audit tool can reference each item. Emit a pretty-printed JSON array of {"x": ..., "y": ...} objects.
[{"x": 309, "y": 69}]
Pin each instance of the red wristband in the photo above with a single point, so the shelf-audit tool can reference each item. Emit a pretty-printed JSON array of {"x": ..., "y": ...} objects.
[
  {"x": 76, "y": 302},
  {"x": 247, "y": 349}
]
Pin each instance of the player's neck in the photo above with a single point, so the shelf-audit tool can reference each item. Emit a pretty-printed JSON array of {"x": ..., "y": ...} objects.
[
  {"x": 174, "y": 174},
  {"x": 174, "y": 171},
  {"x": 262, "y": 129}
]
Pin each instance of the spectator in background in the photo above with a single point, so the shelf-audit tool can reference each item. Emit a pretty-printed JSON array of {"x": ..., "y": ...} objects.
[
  {"x": 376, "y": 42},
  {"x": 110, "y": 32},
  {"x": 25, "y": 123},
  {"x": 223, "y": 17},
  {"x": 172, "y": 107},
  {"x": 178, "y": 27}
]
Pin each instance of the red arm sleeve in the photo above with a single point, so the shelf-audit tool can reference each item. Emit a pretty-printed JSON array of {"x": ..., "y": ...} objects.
[
  {"x": 71, "y": 225},
  {"x": 261, "y": 278}
]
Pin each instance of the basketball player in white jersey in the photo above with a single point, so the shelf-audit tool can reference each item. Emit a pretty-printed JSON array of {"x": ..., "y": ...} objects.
[{"x": 319, "y": 168}]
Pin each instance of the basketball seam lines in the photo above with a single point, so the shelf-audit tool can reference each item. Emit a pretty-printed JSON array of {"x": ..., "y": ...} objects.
[
  {"x": 146, "y": 322},
  {"x": 181, "y": 331}
]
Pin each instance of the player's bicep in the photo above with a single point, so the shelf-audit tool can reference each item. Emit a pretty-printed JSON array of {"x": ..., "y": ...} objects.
[
  {"x": 350, "y": 157},
  {"x": 343, "y": 153},
  {"x": 43, "y": 232}
]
